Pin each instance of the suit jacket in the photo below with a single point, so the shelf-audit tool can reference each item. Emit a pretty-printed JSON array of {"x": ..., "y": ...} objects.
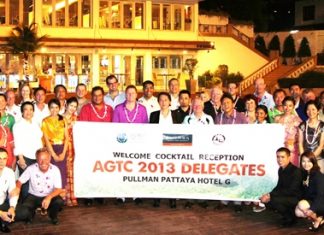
[
  {"x": 209, "y": 109},
  {"x": 155, "y": 116},
  {"x": 290, "y": 183}
]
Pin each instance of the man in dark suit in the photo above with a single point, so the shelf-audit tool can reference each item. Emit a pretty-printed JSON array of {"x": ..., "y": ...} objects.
[
  {"x": 285, "y": 196},
  {"x": 184, "y": 109}
]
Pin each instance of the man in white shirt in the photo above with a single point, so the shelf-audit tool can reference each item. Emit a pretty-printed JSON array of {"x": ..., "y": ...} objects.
[
  {"x": 28, "y": 139},
  {"x": 148, "y": 100},
  {"x": 262, "y": 95},
  {"x": 12, "y": 108},
  {"x": 41, "y": 109},
  {"x": 9, "y": 210},
  {"x": 113, "y": 97},
  {"x": 174, "y": 88},
  {"x": 45, "y": 186}
]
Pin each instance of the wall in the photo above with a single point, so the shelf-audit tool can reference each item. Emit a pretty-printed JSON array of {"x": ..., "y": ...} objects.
[
  {"x": 315, "y": 39},
  {"x": 228, "y": 51},
  {"x": 319, "y": 12}
]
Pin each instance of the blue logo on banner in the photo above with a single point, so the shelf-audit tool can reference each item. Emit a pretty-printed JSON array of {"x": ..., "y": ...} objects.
[{"x": 122, "y": 138}]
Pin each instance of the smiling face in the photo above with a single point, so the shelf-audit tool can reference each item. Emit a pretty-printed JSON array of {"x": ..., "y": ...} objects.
[
  {"x": 11, "y": 98},
  {"x": 312, "y": 111},
  {"x": 97, "y": 97},
  {"x": 283, "y": 159},
  {"x": 148, "y": 91},
  {"x": 25, "y": 92},
  {"x": 43, "y": 161},
  {"x": 71, "y": 108},
  {"x": 164, "y": 102},
  {"x": 227, "y": 106},
  {"x": 260, "y": 115},
  {"x": 306, "y": 163},
  {"x": 174, "y": 87},
  {"x": 250, "y": 105},
  {"x": 54, "y": 109},
  {"x": 3, "y": 160},
  {"x": 28, "y": 112},
  {"x": 131, "y": 95},
  {"x": 289, "y": 107},
  {"x": 81, "y": 91},
  {"x": 197, "y": 106},
  {"x": 40, "y": 97}
]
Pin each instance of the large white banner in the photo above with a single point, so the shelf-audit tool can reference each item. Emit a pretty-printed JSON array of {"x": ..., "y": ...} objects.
[{"x": 230, "y": 162}]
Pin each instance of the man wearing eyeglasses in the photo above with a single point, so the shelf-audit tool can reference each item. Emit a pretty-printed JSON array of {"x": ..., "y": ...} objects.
[{"x": 114, "y": 96}]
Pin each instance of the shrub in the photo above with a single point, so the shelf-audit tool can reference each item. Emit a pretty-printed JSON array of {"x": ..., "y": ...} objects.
[
  {"x": 259, "y": 44},
  {"x": 304, "y": 50},
  {"x": 274, "y": 44},
  {"x": 289, "y": 49}
]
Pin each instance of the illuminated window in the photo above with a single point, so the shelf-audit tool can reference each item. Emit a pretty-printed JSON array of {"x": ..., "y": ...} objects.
[
  {"x": 139, "y": 17},
  {"x": 47, "y": 10},
  {"x": 28, "y": 12},
  {"x": 177, "y": 17},
  {"x": 175, "y": 62},
  {"x": 115, "y": 15},
  {"x": 73, "y": 14},
  {"x": 188, "y": 18},
  {"x": 139, "y": 70},
  {"x": 104, "y": 14},
  {"x": 167, "y": 17},
  {"x": 127, "y": 14},
  {"x": 60, "y": 12},
  {"x": 86, "y": 13},
  {"x": 2, "y": 12},
  {"x": 156, "y": 16},
  {"x": 14, "y": 12},
  {"x": 60, "y": 64}
]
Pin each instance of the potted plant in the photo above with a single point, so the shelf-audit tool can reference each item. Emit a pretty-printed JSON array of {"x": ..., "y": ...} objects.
[
  {"x": 304, "y": 51},
  {"x": 189, "y": 67},
  {"x": 274, "y": 47},
  {"x": 289, "y": 51},
  {"x": 24, "y": 41}
]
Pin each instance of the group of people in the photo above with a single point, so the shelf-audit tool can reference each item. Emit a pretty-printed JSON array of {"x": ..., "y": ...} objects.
[{"x": 36, "y": 140}]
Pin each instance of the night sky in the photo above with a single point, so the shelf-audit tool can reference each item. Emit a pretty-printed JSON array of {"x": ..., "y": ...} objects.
[{"x": 267, "y": 15}]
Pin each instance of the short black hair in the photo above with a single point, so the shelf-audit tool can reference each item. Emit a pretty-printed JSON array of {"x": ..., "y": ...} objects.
[
  {"x": 25, "y": 104},
  {"x": 39, "y": 89},
  {"x": 294, "y": 84},
  {"x": 4, "y": 96},
  {"x": 97, "y": 88},
  {"x": 111, "y": 77},
  {"x": 288, "y": 98},
  {"x": 184, "y": 92},
  {"x": 164, "y": 93},
  {"x": 3, "y": 150},
  {"x": 59, "y": 86},
  {"x": 228, "y": 96},
  {"x": 148, "y": 82},
  {"x": 72, "y": 100},
  {"x": 283, "y": 149},
  {"x": 172, "y": 79},
  {"x": 131, "y": 87},
  {"x": 80, "y": 84}
]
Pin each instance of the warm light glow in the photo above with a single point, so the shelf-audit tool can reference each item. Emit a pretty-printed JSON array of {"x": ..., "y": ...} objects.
[
  {"x": 185, "y": 52},
  {"x": 60, "y": 5},
  {"x": 43, "y": 49},
  {"x": 294, "y": 31}
]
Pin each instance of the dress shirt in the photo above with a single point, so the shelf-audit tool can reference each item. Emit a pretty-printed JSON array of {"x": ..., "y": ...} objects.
[
  {"x": 174, "y": 102},
  {"x": 7, "y": 184},
  {"x": 27, "y": 137},
  {"x": 150, "y": 104},
  {"x": 39, "y": 115},
  {"x": 41, "y": 183},
  {"x": 120, "y": 98},
  {"x": 165, "y": 120},
  {"x": 137, "y": 115},
  {"x": 14, "y": 111}
]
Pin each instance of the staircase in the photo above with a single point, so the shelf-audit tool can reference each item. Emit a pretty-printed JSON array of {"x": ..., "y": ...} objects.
[{"x": 279, "y": 71}]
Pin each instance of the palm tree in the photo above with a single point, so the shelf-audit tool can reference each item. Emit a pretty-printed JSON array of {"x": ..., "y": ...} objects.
[{"x": 24, "y": 41}]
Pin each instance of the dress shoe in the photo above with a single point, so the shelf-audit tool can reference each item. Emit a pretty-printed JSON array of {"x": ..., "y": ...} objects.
[
  {"x": 156, "y": 203},
  {"x": 188, "y": 205},
  {"x": 173, "y": 203},
  {"x": 119, "y": 202},
  {"x": 4, "y": 227},
  {"x": 138, "y": 201},
  {"x": 203, "y": 204},
  {"x": 54, "y": 221},
  {"x": 238, "y": 208},
  {"x": 88, "y": 202}
]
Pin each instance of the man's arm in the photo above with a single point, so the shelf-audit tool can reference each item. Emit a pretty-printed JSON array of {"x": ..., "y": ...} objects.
[{"x": 47, "y": 200}]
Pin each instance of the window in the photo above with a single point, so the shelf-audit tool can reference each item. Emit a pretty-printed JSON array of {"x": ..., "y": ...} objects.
[
  {"x": 86, "y": 13},
  {"x": 127, "y": 16},
  {"x": 308, "y": 13},
  {"x": 47, "y": 10},
  {"x": 73, "y": 14},
  {"x": 60, "y": 12},
  {"x": 155, "y": 16},
  {"x": 14, "y": 12},
  {"x": 85, "y": 64},
  {"x": 188, "y": 18},
  {"x": 177, "y": 17},
  {"x": 104, "y": 14},
  {"x": 167, "y": 17},
  {"x": 139, "y": 70},
  {"x": 175, "y": 62},
  {"x": 139, "y": 17},
  {"x": 60, "y": 64},
  {"x": 115, "y": 15},
  {"x": 2, "y": 12},
  {"x": 28, "y": 12}
]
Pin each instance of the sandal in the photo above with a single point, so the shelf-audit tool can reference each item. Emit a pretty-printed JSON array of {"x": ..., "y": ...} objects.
[{"x": 312, "y": 228}]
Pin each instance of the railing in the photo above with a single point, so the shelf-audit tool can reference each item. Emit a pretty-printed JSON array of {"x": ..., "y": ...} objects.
[
  {"x": 225, "y": 30},
  {"x": 263, "y": 71},
  {"x": 309, "y": 64}
]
